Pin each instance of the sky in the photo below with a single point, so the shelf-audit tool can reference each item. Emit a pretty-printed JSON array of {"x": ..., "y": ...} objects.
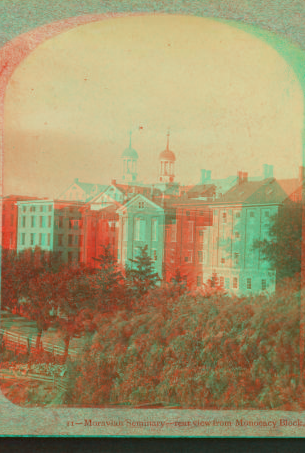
[{"x": 230, "y": 101}]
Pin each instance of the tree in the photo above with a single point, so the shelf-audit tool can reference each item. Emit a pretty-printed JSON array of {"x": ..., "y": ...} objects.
[
  {"x": 180, "y": 281},
  {"x": 77, "y": 303},
  {"x": 141, "y": 276},
  {"x": 109, "y": 282},
  {"x": 42, "y": 301},
  {"x": 283, "y": 247}
]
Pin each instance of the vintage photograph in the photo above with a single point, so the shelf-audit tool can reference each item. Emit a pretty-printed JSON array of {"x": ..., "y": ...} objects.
[{"x": 152, "y": 218}]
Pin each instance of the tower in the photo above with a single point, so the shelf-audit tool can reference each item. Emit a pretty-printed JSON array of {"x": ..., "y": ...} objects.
[
  {"x": 167, "y": 164},
  {"x": 129, "y": 159}
]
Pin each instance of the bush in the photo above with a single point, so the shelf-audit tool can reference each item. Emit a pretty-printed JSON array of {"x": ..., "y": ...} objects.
[{"x": 194, "y": 351}]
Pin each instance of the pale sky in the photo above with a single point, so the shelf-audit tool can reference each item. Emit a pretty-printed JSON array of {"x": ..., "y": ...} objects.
[{"x": 231, "y": 102}]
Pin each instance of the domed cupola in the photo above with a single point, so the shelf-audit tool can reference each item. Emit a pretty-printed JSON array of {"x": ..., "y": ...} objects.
[
  {"x": 167, "y": 164},
  {"x": 129, "y": 158}
]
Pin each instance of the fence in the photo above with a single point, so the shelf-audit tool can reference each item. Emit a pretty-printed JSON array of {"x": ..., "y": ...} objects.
[
  {"x": 21, "y": 344},
  {"x": 56, "y": 381}
]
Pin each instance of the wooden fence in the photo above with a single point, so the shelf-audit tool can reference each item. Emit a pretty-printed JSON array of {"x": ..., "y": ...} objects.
[
  {"x": 56, "y": 381},
  {"x": 20, "y": 344}
]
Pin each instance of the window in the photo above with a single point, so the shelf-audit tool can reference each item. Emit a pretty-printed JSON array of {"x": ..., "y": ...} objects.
[
  {"x": 32, "y": 221},
  {"x": 125, "y": 225},
  {"x": 199, "y": 280},
  {"x": 50, "y": 207},
  {"x": 32, "y": 208},
  {"x": 174, "y": 233},
  {"x": 224, "y": 217},
  {"x": 12, "y": 219},
  {"x": 154, "y": 230},
  {"x": 49, "y": 221},
  {"x": 190, "y": 231},
  {"x": 235, "y": 283},
  {"x": 60, "y": 221},
  {"x": 49, "y": 239},
  {"x": 187, "y": 213},
  {"x": 140, "y": 225},
  {"x": 201, "y": 234},
  {"x": 41, "y": 208},
  {"x": 70, "y": 257},
  {"x": 222, "y": 260},
  {"x": 23, "y": 221},
  {"x": 23, "y": 208},
  {"x": 264, "y": 284},
  {"x": 237, "y": 215},
  {"x": 32, "y": 238},
  {"x": 200, "y": 256},
  {"x": 22, "y": 238},
  {"x": 141, "y": 204},
  {"x": 227, "y": 283},
  {"x": 237, "y": 235},
  {"x": 76, "y": 239},
  {"x": 188, "y": 257},
  {"x": 249, "y": 283},
  {"x": 59, "y": 239},
  {"x": 236, "y": 259},
  {"x": 70, "y": 239},
  {"x": 154, "y": 255},
  {"x": 41, "y": 221},
  {"x": 221, "y": 281},
  {"x": 252, "y": 215}
]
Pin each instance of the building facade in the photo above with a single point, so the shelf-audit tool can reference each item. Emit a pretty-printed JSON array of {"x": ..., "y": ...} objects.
[{"x": 51, "y": 225}]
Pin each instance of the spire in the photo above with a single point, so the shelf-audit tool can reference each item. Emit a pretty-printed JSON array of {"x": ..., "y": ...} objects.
[
  {"x": 130, "y": 134},
  {"x": 168, "y": 134}
]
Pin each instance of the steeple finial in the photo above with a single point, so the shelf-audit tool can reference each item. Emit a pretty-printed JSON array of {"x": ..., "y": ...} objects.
[
  {"x": 130, "y": 134},
  {"x": 168, "y": 134}
]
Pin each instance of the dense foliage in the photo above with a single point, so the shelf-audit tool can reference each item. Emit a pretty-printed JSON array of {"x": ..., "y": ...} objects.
[
  {"x": 283, "y": 247},
  {"x": 194, "y": 351}
]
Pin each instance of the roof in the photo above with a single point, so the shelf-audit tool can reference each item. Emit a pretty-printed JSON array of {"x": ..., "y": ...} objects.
[
  {"x": 20, "y": 198},
  {"x": 201, "y": 190},
  {"x": 130, "y": 152},
  {"x": 289, "y": 185},
  {"x": 167, "y": 154},
  {"x": 255, "y": 192}
]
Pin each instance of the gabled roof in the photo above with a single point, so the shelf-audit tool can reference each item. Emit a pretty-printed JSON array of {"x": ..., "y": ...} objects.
[
  {"x": 201, "y": 190},
  {"x": 289, "y": 185},
  {"x": 136, "y": 199},
  {"x": 90, "y": 189},
  {"x": 255, "y": 192}
]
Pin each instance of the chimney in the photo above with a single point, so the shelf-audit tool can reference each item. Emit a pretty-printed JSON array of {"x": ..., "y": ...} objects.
[
  {"x": 267, "y": 171},
  {"x": 113, "y": 182},
  {"x": 242, "y": 177},
  {"x": 205, "y": 176}
]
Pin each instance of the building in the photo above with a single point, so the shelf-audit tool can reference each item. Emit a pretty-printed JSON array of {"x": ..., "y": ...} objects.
[
  {"x": 52, "y": 225},
  {"x": 241, "y": 217},
  {"x": 81, "y": 191},
  {"x": 100, "y": 228},
  {"x": 10, "y": 220},
  {"x": 141, "y": 223},
  {"x": 129, "y": 159},
  {"x": 184, "y": 236}
]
